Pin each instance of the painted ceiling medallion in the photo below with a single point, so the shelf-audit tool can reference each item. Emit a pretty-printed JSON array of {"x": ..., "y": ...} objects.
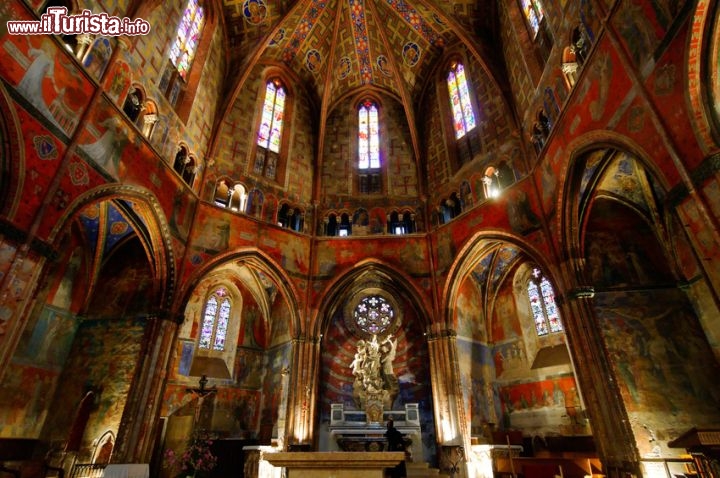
[
  {"x": 254, "y": 11},
  {"x": 411, "y": 54},
  {"x": 344, "y": 68}
]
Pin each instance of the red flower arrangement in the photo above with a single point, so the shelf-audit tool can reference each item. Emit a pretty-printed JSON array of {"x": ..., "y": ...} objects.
[{"x": 197, "y": 457}]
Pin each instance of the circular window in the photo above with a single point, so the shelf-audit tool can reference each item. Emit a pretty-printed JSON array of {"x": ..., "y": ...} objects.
[{"x": 373, "y": 314}]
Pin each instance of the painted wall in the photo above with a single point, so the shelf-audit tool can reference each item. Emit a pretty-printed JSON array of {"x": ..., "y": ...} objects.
[{"x": 103, "y": 357}]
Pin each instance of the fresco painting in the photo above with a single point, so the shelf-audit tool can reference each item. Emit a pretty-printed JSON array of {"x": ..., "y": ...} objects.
[
  {"x": 117, "y": 82},
  {"x": 39, "y": 173},
  {"x": 557, "y": 393},
  {"x": 213, "y": 235},
  {"x": 661, "y": 357},
  {"x": 49, "y": 342},
  {"x": 273, "y": 391},
  {"x": 16, "y": 291},
  {"x": 476, "y": 371},
  {"x": 469, "y": 316},
  {"x": 25, "y": 398},
  {"x": 249, "y": 368},
  {"x": 175, "y": 398},
  {"x": 109, "y": 374},
  {"x": 104, "y": 142},
  {"x": 291, "y": 252},
  {"x": 187, "y": 349},
  {"x": 50, "y": 86},
  {"x": 7, "y": 251},
  {"x": 252, "y": 333},
  {"x": 236, "y": 412},
  {"x": 129, "y": 290},
  {"x": 505, "y": 324},
  {"x": 62, "y": 296},
  {"x": 280, "y": 326},
  {"x": 79, "y": 178},
  {"x": 644, "y": 24},
  {"x": 97, "y": 57}
]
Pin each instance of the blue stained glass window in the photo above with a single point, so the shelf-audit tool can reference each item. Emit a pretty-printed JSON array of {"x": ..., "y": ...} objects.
[
  {"x": 271, "y": 122},
  {"x": 533, "y": 11},
  {"x": 215, "y": 321},
  {"x": 183, "y": 50},
  {"x": 542, "y": 304},
  {"x": 368, "y": 136},
  {"x": 462, "y": 110},
  {"x": 552, "y": 314}
]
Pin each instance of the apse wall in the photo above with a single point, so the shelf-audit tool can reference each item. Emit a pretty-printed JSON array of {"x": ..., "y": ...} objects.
[
  {"x": 339, "y": 180},
  {"x": 411, "y": 367},
  {"x": 235, "y": 142},
  {"x": 494, "y": 118}
]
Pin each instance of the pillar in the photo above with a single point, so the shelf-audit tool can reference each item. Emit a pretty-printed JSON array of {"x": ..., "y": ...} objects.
[
  {"x": 601, "y": 393},
  {"x": 453, "y": 435},
  {"x": 302, "y": 393},
  {"x": 138, "y": 427}
]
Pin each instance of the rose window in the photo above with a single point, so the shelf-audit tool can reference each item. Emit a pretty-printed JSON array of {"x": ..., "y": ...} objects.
[{"x": 373, "y": 314}]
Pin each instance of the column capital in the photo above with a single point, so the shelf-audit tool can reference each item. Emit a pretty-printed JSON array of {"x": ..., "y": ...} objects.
[
  {"x": 441, "y": 334},
  {"x": 581, "y": 292}
]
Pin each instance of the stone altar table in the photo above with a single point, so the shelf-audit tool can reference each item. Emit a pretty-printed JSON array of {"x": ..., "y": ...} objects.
[{"x": 335, "y": 464}]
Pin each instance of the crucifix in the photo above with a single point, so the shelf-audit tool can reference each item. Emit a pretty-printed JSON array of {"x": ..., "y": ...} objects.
[{"x": 201, "y": 393}]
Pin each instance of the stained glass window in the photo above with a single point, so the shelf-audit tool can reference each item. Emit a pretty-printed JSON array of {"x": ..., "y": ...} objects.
[
  {"x": 215, "y": 321},
  {"x": 368, "y": 136},
  {"x": 272, "y": 116},
  {"x": 542, "y": 304},
  {"x": 462, "y": 110},
  {"x": 533, "y": 11},
  {"x": 186, "y": 41},
  {"x": 374, "y": 314}
]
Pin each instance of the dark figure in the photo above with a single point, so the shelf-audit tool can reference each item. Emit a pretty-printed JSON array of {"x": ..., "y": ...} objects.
[{"x": 396, "y": 442}]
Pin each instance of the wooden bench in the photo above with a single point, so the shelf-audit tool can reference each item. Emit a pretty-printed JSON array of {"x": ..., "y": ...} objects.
[{"x": 535, "y": 467}]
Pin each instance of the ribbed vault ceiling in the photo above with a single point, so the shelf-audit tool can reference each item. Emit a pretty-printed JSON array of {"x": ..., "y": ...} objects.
[{"x": 338, "y": 46}]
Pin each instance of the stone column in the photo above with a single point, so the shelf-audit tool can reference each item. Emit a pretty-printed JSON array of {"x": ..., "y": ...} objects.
[
  {"x": 148, "y": 124},
  {"x": 302, "y": 393},
  {"x": 601, "y": 393},
  {"x": 138, "y": 427},
  {"x": 83, "y": 45},
  {"x": 452, "y": 431}
]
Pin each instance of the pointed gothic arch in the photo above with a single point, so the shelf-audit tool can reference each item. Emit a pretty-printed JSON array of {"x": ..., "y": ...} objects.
[
  {"x": 12, "y": 157},
  {"x": 156, "y": 232}
]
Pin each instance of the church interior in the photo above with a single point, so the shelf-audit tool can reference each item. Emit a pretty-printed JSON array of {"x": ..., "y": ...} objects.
[{"x": 276, "y": 224}]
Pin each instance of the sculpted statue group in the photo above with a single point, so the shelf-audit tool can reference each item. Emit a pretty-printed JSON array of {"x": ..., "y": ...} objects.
[{"x": 375, "y": 385}]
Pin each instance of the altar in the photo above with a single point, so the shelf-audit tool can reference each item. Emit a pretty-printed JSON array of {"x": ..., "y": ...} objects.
[
  {"x": 333, "y": 464},
  {"x": 351, "y": 431},
  {"x": 361, "y": 426}
]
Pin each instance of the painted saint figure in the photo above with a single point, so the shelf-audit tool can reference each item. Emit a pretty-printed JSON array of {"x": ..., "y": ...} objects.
[{"x": 31, "y": 84}]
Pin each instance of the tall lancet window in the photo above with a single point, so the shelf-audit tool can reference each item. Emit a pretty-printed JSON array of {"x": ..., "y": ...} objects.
[
  {"x": 369, "y": 148},
  {"x": 272, "y": 116},
  {"x": 542, "y": 304},
  {"x": 368, "y": 136},
  {"x": 533, "y": 11},
  {"x": 269, "y": 138},
  {"x": 186, "y": 41},
  {"x": 215, "y": 321},
  {"x": 462, "y": 110}
]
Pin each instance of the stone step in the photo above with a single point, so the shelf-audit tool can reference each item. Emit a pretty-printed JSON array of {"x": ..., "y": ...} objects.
[{"x": 422, "y": 470}]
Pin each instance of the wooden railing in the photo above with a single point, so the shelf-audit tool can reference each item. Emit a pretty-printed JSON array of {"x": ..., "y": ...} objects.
[{"x": 87, "y": 470}]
